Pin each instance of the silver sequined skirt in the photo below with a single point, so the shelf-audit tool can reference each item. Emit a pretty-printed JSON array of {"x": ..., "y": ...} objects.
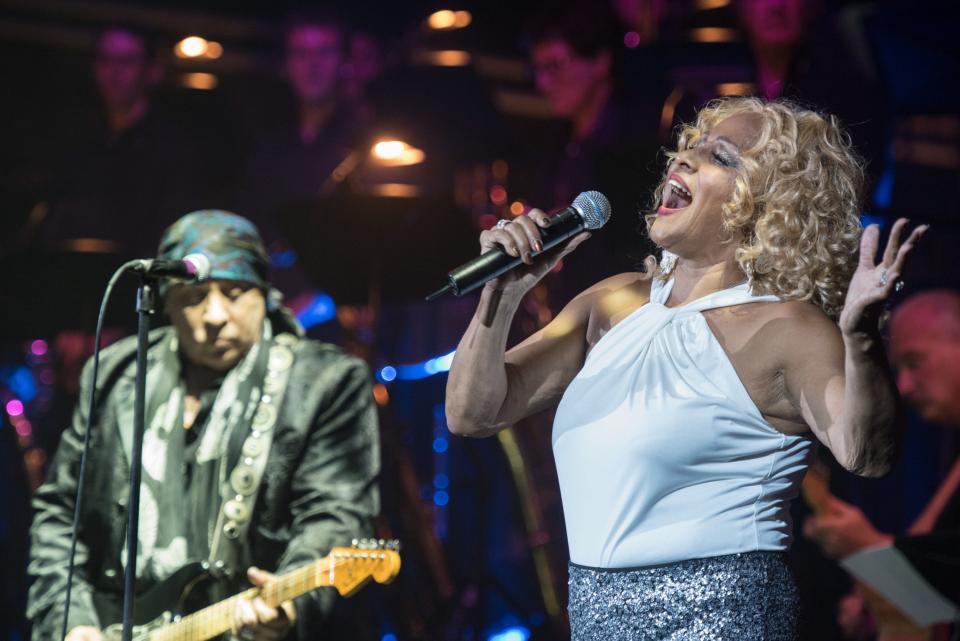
[{"x": 737, "y": 597}]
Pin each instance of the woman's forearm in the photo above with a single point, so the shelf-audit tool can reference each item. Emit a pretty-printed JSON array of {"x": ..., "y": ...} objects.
[
  {"x": 872, "y": 415},
  {"x": 477, "y": 384}
]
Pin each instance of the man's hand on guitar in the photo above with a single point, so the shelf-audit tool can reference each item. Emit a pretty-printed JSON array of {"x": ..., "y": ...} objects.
[
  {"x": 258, "y": 621},
  {"x": 842, "y": 529},
  {"x": 84, "y": 633}
]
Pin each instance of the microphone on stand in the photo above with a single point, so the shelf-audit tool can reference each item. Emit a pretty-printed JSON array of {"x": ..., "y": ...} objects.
[
  {"x": 193, "y": 267},
  {"x": 590, "y": 210}
]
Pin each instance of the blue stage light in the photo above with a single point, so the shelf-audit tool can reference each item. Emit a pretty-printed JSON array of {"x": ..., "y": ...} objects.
[
  {"x": 513, "y": 633},
  {"x": 318, "y": 311},
  {"x": 283, "y": 259},
  {"x": 387, "y": 374}
]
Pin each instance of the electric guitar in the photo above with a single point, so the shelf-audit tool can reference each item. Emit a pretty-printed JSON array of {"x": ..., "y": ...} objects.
[{"x": 157, "y": 613}]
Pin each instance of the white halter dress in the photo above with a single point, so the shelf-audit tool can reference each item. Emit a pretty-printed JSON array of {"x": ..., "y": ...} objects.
[{"x": 663, "y": 458}]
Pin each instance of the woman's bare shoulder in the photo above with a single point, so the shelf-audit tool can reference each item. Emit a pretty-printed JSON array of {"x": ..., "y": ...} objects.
[
  {"x": 796, "y": 329},
  {"x": 625, "y": 282},
  {"x": 613, "y": 299}
]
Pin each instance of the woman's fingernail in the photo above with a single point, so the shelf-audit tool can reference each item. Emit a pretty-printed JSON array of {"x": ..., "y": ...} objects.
[{"x": 538, "y": 246}]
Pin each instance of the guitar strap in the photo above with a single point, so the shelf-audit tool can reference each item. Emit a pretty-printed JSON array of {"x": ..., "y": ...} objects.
[{"x": 229, "y": 554}]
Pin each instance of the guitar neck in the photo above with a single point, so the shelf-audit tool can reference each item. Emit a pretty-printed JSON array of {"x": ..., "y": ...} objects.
[{"x": 216, "y": 619}]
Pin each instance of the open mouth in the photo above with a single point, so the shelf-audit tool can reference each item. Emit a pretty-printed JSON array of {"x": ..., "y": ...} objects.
[{"x": 676, "y": 196}]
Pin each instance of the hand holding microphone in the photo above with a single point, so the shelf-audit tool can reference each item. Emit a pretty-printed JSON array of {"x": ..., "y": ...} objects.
[{"x": 524, "y": 240}]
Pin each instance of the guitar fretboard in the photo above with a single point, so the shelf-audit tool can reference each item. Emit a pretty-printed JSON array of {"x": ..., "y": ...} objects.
[{"x": 216, "y": 619}]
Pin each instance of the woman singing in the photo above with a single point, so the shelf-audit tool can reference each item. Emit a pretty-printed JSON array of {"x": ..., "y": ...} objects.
[{"x": 689, "y": 397}]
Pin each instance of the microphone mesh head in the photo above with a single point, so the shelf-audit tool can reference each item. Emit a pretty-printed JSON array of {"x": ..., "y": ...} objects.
[
  {"x": 200, "y": 264},
  {"x": 594, "y": 207}
]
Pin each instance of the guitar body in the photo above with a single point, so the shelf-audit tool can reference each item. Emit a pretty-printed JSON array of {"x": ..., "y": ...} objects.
[{"x": 186, "y": 590}]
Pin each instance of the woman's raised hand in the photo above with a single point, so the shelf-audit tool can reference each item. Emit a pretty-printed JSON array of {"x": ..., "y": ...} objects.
[{"x": 872, "y": 282}]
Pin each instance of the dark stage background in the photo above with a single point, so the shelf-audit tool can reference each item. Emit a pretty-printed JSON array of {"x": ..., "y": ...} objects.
[{"x": 481, "y": 523}]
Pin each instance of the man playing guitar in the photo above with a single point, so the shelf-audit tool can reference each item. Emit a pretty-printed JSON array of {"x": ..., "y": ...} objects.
[{"x": 260, "y": 450}]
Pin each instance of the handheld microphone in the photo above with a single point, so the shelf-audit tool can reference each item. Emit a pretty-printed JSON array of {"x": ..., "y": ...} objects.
[
  {"x": 193, "y": 267},
  {"x": 590, "y": 210}
]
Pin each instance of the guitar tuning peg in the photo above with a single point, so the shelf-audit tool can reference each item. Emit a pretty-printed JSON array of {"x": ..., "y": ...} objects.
[
  {"x": 380, "y": 544},
  {"x": 355, "y": 542}
]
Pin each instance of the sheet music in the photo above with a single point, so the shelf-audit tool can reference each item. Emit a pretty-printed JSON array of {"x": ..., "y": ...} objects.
[{"x": 887, "y": 570}]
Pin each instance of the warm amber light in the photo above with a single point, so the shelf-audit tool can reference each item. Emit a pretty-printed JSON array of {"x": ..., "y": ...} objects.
[
  {"x": 203, "y": 81},
  {"x": 395, "y": 190},
  {"x": 380, "y": 394},
  {"x": 706, "y": 5},
  {"x": 735, "y": 89},
  {"x": 214, "y": 50},
  {"x": 192, "y": 47},
  {"x": 713, "y": 34},
  {"x": 516, "y": 208},
  {"x": 446, "y": 58},
  {"x": 389, "y": 149},
  {"x": 396, "y": 153},
  {"x": 443, "y": 19},
  {"x": 462, "y": 19}
]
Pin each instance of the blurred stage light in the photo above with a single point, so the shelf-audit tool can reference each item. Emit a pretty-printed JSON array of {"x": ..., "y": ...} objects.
[
  {"x": 735, "y": 89},
  {"x": 395, "y": 190},
  {"x": 319, "y": 310},
  {"x": 203, "y": 81},
  {"x": 445, "y": 20},
  {"x": 515, "y": 633},
  {"x": 89, "y": 245},
  {"x": 711, "y": 4},
  {"x": 14, "y": 407},
  {"x": 445, "y": 58},
  {"x": 396, "y": 153},
  {"x": 387, "y": 374},
  {"x": 516, "y": 208},
  {"x": 389, "y": 149},
  {"x": 380, "y": 394},
  {"x": 713, "y": 34},
  {"x": 38, "y": 347},
  {"x": 194, "y": 47},
  {"x": 191, "y": 47}
]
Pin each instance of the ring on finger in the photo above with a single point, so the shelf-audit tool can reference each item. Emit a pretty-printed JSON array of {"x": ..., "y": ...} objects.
[
  {"x": 897, "y": 286},
  {"x": 503, "y": 222},
  {"x": 883, "y": 278}
]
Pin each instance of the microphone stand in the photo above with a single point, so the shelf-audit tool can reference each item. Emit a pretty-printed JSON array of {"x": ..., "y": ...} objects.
[{"x": 145, "y": 308}]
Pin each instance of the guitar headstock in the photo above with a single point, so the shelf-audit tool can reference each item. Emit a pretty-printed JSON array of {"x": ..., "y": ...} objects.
[{"x": 364, "y": 559}]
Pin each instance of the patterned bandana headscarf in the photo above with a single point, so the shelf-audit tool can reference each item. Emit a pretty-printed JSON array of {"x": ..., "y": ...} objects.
[
  {"x": 233, "y": 246},
  {"x": 231, "y": 243}
]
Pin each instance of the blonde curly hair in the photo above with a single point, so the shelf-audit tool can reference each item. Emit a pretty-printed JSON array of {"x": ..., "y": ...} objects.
[{"x": 796, "y": 201}]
